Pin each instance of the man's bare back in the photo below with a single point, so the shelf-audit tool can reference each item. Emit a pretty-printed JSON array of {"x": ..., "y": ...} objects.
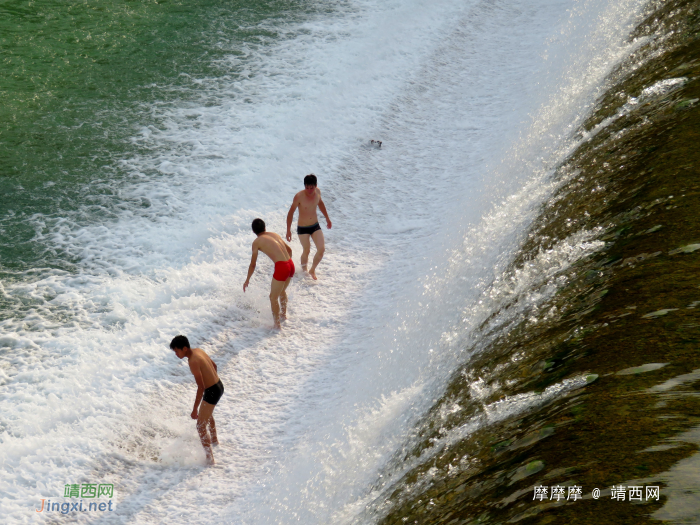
[
  {"x": 272, "y": 245},
  {"x": 279, "y": 251},
  {"x": 200, "y": 363},
  {"x": 209, "y": 391}
]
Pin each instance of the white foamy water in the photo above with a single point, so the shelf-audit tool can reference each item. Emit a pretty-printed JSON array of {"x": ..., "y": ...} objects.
[{"x": 474, "y": 103}]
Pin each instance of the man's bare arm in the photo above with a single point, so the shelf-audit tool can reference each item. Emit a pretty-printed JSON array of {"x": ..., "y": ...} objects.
[
  {"x": 251, "y": 268},
  {"x": 197, "y": 373},
  {"x": 322, "y": 207},
  {"x": 290, "y": 217}
]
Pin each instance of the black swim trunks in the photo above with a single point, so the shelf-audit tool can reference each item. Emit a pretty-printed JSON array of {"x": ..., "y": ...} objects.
[
  {"x": 308, "y": 230},
  {"x": 213, "y": 393}
]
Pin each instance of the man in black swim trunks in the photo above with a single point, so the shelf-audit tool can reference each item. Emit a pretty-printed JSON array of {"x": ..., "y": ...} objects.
[
  {"x": 308, "y": 228},
  {"x": 209, "y": 391}
]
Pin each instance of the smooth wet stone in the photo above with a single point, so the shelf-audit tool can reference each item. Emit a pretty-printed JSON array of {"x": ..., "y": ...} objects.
[
  {"x": 557, "y": 472},
  {"x": 654, "y": 229},
  {"x": 641, "y": 369},
  {"x": 591, "y": 377},
  {"x": 564, "y": 472},
  {"x": 600, "y": 294},
  {"x": 686, "y": 104},
  {"x": 660, "y": 448},
  {"x": 501, "y": 446},
  {"x": 610, "y": 261},
  {"x": 677, "y": 381},
  {"x": 658, "y": 313},
  {"x": 686, "y": 66},
  {"x": 682, "y": 488},
  {"x": 690, "y": 248},
  {"x": 533, "y": 437},
  {"x": 526, "y": 470}
]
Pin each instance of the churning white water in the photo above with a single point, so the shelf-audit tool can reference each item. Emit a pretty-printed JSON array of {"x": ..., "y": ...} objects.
[{"x": 475, "y": 103}]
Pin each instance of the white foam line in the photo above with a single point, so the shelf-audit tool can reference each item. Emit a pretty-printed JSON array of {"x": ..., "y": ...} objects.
[{"x": 501, "y": 410}]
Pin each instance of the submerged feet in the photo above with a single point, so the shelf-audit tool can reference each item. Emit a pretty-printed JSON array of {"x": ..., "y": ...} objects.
[
  {"x": 210, "y": 456},
  {"x": 311, "y": 272}
]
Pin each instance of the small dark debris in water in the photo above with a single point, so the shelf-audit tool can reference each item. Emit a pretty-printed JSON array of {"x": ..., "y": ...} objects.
[
  {"x": 376, "y": 143},
  {"x": 630, "y": 261}
]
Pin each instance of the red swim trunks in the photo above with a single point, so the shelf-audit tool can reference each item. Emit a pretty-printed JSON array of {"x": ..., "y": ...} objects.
[{"x": 283, "y": 270}]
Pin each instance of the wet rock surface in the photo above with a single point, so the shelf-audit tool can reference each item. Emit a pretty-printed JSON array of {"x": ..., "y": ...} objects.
[{"x": 624, "y": 322}]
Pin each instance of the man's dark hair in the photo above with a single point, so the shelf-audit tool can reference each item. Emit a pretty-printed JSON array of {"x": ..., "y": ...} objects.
[
  {"x": 310, "y": 180},
  {"x": 258, "y": 226},
  {"x": 179, "y": 341}
]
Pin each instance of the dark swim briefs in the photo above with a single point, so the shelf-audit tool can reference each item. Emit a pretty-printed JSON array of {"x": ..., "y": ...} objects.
[
  {"x": 283, "y": 270},
  {"x": 213, "y": 393},
  {"x": 308, "y": 230}
]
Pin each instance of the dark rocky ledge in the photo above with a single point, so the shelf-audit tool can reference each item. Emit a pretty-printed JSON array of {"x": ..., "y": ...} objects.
[{"x": 626, "y": 319}]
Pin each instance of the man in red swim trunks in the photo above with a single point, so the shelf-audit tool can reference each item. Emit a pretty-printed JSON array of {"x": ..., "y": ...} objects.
[{"x": 279, "y": 251}]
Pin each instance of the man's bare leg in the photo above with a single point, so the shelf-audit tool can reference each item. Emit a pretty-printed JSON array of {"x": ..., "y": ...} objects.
[
  {"x": 276, "y": 288},
  {"x": 320, "y": 243},
  {"x": 212, "y": 431},
  {"x": 283, "y": 300},
  {"x": 205, "y": 412},
  {"x": 305, "y": 241}
]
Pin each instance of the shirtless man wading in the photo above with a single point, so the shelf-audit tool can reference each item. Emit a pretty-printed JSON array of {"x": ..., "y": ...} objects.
[
  {"x": 209, "y": 391},
  {"x": 276, "y": 249},
  {"x": 308, "y": 228}
]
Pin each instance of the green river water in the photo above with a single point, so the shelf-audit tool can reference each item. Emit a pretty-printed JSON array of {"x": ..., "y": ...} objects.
[{"x": 81, "y": 78}]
